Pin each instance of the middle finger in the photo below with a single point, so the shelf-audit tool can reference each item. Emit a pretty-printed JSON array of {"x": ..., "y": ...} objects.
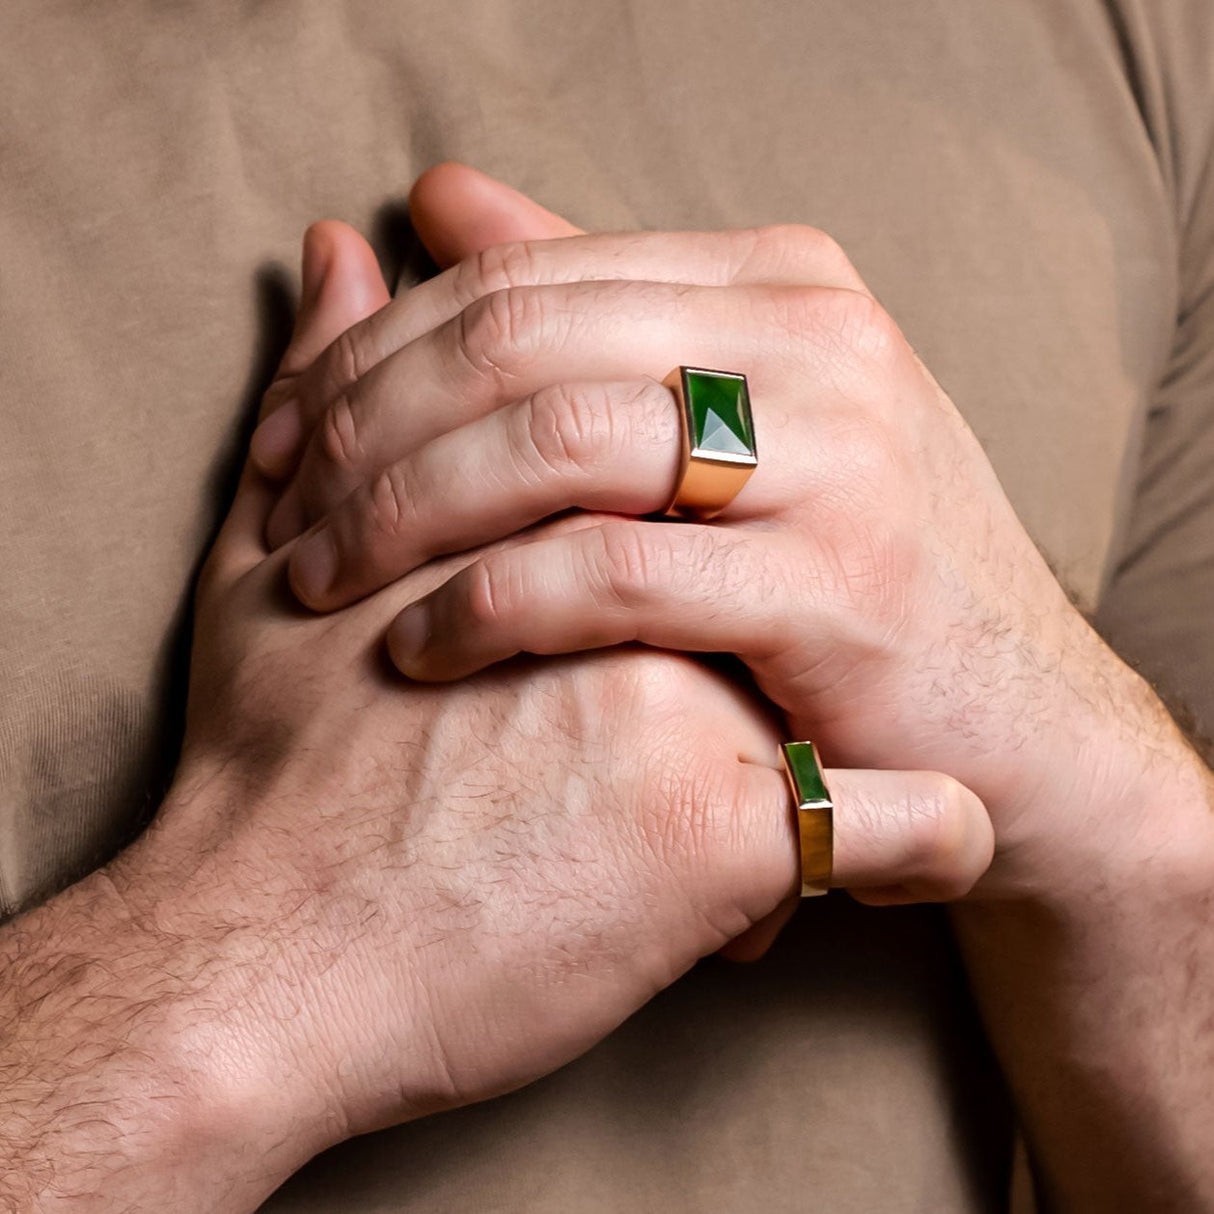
[
  {"x": 779, "y": 253},
  {"x": 610, "y": 448},
  {"x": 512, "y": 343}
]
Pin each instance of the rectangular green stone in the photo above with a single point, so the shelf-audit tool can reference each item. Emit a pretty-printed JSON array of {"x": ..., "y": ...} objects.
[
  {"x": 805, "y": 774},
  {"x": 718, "y": 414}
]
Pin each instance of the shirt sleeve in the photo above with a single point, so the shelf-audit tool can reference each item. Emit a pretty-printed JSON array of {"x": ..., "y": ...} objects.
[{"x": 1158, "y": 609}]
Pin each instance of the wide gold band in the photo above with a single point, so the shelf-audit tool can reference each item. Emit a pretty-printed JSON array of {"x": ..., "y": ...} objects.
[
  {"x": 815, "y": 816},
  {"x": 719, "y": 452}
]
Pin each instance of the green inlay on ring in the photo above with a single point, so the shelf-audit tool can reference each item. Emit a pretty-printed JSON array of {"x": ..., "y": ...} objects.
[
  {"x": 718, "y": 410},
  {"x": 809, "y": 787}
]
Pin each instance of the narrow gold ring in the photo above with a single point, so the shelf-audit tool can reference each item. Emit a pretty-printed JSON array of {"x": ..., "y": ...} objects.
[
  {"x": 815, "y": 816},
  {"x": 719, "y": 452}
]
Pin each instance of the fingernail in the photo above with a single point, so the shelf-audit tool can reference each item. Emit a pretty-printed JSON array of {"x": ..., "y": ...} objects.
[
  {"x": 276, "y": 442},
  {"x": 314, "y": 566},
  {"x": 409, "y": 634}
]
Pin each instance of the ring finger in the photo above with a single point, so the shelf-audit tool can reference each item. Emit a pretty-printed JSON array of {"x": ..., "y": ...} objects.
[
  {"x": 604, "y": 582},
  {"x": 613, "y": 448},
  {"x": 789, "y": 255},
  {"x": 513, "y": 343}
]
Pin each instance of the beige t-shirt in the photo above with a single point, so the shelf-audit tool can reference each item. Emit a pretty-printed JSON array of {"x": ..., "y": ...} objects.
[{"x": 1025, "y": 184}]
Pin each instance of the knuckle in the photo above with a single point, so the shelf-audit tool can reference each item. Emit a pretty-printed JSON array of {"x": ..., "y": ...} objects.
[
  {"x": 494, "y": 331},
  {"x": 940, "y": 809},
  {"x": 653, "y": 420},
  {"x": 340, "y": 436},
  {"x": 797, "y": 311},
  {"x": 388, "y": 499},
  {"x": 849, "y": 314},
  {"x": 496, "y": 268},
  {"x": 865, "y": 326},
  {"x": 344, "y": 361},
  {"x": 852, "y": 327},
  {"x": 341, "y": 364},
  {"x": 825, "y": 249},
  {"x": 570, "y": 429},
  {"x": 801, "y": 246},
  {"x": 630, "y": 563},
  {"x": 865, "y": 460},
  {"x": 493, "y": 594}
]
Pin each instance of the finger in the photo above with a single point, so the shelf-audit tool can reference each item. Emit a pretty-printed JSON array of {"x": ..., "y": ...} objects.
[
  {"x": 907, "y": 836},
  {"x": 341, "y": 285},
  {"x": 899, "y": 836},
  {"x": 604, "y": 447},
  {"x": 692, "y": 588},
  {"x": 516, "y": 342},
  {"x": 458, "y": 211},
  {"x": 779, "y": 255}
]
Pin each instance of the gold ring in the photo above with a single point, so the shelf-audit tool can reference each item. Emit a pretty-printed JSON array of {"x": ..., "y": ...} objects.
[
  {"x": 719, "y": 452},
  {"x": 815, "y": 816}
]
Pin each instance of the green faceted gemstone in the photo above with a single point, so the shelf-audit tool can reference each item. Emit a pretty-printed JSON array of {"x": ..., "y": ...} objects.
[
  {"x": 805, "y": 773},
  {"x": 718, "y": 410}
]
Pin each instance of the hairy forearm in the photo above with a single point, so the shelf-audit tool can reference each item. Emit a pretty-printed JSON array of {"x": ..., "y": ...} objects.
[
  {"x": 1098, "y": 989},
  {"x": 124, "y": 1080}
]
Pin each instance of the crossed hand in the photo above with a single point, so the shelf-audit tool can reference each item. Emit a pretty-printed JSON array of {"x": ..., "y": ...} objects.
[{"x": 462, "y": 878}]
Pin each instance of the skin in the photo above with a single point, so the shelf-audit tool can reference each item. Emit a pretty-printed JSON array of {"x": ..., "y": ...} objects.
[
  {"x": 366, "y": 900},
  {"x": 871, "y": 574}
]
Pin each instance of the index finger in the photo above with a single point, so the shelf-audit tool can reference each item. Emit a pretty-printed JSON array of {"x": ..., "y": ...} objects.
[{"x": 784, "y": 254}]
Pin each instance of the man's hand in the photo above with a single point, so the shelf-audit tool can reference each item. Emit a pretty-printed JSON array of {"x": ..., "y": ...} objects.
[
  {"x": 367, "y": 900},
  {"x": 872, "y": 573},
  {"x": 474, "y": 883}
]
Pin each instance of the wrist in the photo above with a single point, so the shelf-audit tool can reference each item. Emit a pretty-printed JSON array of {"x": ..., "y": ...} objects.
[
  {"x": 136, "y": 1069},
  {"x": 312, "y": 1028},
  {"x": 1092, "y": 982},
  {"x": 234, "y": 1025},
  {"x": 1110, "y": 798}
]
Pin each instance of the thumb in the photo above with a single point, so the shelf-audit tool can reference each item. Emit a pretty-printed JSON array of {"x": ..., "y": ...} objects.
[
  {"x": 899, "y": 837},
  {"x": 457, "y": 211}
]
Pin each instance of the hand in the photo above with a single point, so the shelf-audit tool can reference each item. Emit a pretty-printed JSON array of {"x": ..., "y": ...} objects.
[
  {"x": 388, "y": 899},
  {"x": 872, "y": 573}
]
